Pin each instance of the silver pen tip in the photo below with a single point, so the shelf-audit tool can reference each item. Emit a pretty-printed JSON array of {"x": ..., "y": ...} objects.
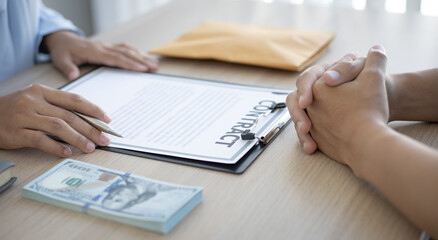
[{"x": 115, "y": 134}]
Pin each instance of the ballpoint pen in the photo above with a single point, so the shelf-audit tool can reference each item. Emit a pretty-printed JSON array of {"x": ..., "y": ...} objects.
[
  {"x": 282, "y": 121},
  {"x": 98, "y": 124}
]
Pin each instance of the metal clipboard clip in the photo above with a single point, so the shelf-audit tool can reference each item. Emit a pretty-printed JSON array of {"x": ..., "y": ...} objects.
[{"x": 268, "y": 136}]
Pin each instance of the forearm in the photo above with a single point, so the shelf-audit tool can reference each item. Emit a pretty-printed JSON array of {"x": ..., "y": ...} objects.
[
  {"x": 414, "y": 96},
  {"x": 403, "y": 170}
]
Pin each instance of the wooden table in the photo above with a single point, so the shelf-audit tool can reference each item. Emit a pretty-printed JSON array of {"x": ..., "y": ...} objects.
[{"x": 285, "y": 194}]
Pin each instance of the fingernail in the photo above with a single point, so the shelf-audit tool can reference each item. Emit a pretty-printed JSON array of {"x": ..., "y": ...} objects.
[
  {"x": 301, "y": 100},
  {"x": 73, "y": 74},
  {"x": 143, "y": 67},
  {"x": 334, "y": 75},
  {"x": 299, "y": 124},
  {"x": 379, "y": 48},
  {"x": 90, "y": 147},
  {"x": 106, "y": 118},
  {"x": 67, "y": 152},
  {"x": 305, "y": 144},
  {"x": 104, "y": 139}
]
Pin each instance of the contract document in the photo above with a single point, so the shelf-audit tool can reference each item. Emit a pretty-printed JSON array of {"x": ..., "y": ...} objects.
[{"x": 182, "y": 117}]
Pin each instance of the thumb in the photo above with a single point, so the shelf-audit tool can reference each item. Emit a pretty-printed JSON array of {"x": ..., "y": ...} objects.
[
  {"x": 376, "y": 59},
  {"x": 343, "y": 71},
  {"x": 67, "y": 67},
  {"x": 374, "y": 71}
]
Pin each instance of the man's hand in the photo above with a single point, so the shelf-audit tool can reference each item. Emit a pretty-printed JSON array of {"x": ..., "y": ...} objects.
[
  {"x": 333, "y": 74},
  {"x": 68, "y": 51},
  {"x": 28, "y": 114},
  {"x": 343, "y": 116}
]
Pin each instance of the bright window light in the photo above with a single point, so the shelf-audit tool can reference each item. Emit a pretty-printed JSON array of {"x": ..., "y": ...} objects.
[
  {"x": 327, "y": 2},
  {"x": 268, "y": 1},
  {"x": 296, "y": 1},
  {"x": 318, "y": 2},
  {"x": 395, "y": 6},
  {"x": 429, "y": 7},
  {"x": 359, "y": 4}
]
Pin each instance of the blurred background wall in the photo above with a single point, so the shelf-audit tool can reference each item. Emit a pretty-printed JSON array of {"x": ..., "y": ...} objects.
[{"x": 94, "y": 16}]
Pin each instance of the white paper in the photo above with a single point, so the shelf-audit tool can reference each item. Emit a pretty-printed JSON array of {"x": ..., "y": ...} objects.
[{"x": 180, "y": 117}]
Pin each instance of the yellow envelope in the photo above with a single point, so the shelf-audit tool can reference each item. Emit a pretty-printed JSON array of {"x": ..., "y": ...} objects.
[{"x": 285, "y": 49}]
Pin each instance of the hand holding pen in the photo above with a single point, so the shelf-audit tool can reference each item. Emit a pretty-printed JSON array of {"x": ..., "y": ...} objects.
[{"x": 51, "y": 113}]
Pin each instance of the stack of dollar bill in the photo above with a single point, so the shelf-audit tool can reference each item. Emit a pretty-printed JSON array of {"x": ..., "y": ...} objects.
[{"x": 114, "y": 195}]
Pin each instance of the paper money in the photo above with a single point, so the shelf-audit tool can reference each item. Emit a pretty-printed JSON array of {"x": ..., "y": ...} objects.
[{"x": 114, "y": 195}]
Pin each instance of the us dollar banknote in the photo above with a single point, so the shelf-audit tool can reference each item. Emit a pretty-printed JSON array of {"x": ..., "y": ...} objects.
[{"x": 114, "y": 195}]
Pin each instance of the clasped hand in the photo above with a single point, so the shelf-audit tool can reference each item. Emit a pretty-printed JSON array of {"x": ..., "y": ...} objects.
[{"x": 335, "y": 102}]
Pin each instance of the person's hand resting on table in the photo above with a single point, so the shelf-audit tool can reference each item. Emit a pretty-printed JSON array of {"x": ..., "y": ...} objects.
[{"x": 68, "y": 51}]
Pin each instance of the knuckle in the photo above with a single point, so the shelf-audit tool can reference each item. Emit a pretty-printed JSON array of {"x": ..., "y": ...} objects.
[
  {"x": 299, "y": 80},
  {"x": 292, "y": 100},
  {"x": 81, "y": 142},
  {"x": 326, "y": 65},
  {"x": 296, "y": 127},
  {"x": 123, "y": 45},
  {"x": 310, "y": 68},
  {"x": 99, "y": 47},
  {"x": 94, "y": 133},
  {"x": 310, "y": 74},
  {"x": 350, "y": 56},
  {"x": 99, "y": 44},
  {"x": 69, "y": 117},
  {"x": 317, "y": 87},
  {"x": 121, "y": 61},
  {"x": 345, "y": 66},
  {"x": 24, "y": 101},
  {"x": 35, "y": 140},
  {"x": 56, "y": 124},
  {"x": 348, "y": 64},
  {"x": 112, "y": 58},
  {"x": 76, "y": 99},
  {"x": 36, "y": 87},
  {"x": 374, "y": 73},
  {"x": 97, "y": 111},
  {"x": 126, "y": 52},
  {"x": 294, "y": 115},
  {"x": 132, "y": 52},
  {"x": 306, "y": 73},
  {"x": 291, "y": 97}
]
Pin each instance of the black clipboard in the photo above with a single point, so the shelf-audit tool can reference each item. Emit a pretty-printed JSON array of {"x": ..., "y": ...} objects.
[{"x": 236, "y": 168}]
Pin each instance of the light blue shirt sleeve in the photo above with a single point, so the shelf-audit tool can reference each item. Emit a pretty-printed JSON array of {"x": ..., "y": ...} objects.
[
  {"x": 23, "y": 24},
  {"x": 51, "y": 21},
  {"x": 2, "y": 6}
]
